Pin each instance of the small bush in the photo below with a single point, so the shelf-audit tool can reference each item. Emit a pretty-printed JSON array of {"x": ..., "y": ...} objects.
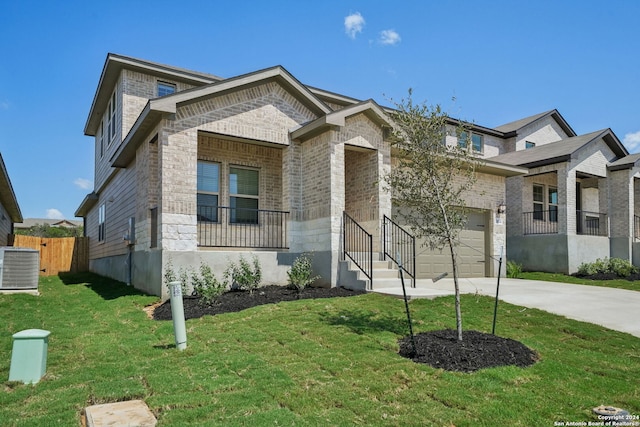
[
  {"x": 300, "y": 273},
  {"x": 617, "y": 266},
  {"x": 206, "y": 285},
  {"x": 244, "y": 276},
  {"x": 171, "y": 276},
  {"x": 622, "y": 267},
  {"x": 514, "y": 270}
]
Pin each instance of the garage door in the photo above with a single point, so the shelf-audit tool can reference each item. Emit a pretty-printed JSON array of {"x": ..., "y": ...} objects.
[{"x": 471, "y": 254}]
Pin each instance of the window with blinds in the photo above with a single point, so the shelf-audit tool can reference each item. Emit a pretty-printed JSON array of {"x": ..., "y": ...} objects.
[
  {"x": 243, "y": 195},
  {"x": 208, "y": 191}
]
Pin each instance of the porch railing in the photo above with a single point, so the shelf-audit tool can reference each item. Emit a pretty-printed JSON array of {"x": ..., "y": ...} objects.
[
  {"x": 540, "y": 222},
  {"x": 357, "y": 246},
  {"x": 546, "y": 222},
  {"x": 398, "y": 242},
  {"x": 591, "y": 223},
  {"x": 221, "y": 226}
]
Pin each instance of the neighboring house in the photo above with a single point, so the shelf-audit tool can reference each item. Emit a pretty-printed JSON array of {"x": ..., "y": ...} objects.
[
  {"x": 27, "y": 223},
  {"x": 577, "y": 202},
  {"x": 192, "y": 168},
  {"x": 9, "y": 209}
]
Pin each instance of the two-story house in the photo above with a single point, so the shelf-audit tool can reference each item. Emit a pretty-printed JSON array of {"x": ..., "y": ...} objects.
[{"x": 191, "y": 168}]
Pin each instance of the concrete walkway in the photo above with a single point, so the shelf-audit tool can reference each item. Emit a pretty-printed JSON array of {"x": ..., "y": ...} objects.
[{"x": 616, "y": 309}]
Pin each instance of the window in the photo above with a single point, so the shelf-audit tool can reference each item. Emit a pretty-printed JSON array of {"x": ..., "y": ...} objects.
[
  {"x": 529, "y": 144},
  {"x": 154, "y": 228},
  {"x": 208, "y": 191},
  {"x": 243, "y": 195},
  {"x": 166, "y": 88},
  {"x": 102, "y": 213},
  {"x": 102, "y": 138},
  {"x": 553, "y": 204},
  {"x": 538, "y": 202},
  {"x": 476, "y": 141},
  {"x": 113, "y": 117}
]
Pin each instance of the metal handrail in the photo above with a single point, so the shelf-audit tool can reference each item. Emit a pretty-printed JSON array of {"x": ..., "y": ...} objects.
[
  {"x": 222, "y": 226},
  {"x": 591, "y": 223},
  {"x": 540, "y": 222},
  {"x": 399, "y": 242},
  {"x": 357, "y": 245}
]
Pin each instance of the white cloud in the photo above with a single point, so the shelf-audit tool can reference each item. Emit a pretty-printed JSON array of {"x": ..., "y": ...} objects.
[
  {"x": 82, "y": 183},
  {"x": 54, "y": 214},
  {"x": 632, "y": 141},
  {"x": 353, "y": 24},
  {"x": 4, "y": 105},
  {"x": 389, "y": 37}
]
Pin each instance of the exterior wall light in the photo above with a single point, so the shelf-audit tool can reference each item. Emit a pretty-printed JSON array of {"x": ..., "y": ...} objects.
[{"x": 502, "y": 208}]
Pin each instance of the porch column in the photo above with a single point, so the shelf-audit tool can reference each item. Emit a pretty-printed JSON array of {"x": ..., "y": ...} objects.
[
  {"x": 337, "y": 190},
  {"x": 567, "y": 199},
  {"x": 621, "y": 207}
]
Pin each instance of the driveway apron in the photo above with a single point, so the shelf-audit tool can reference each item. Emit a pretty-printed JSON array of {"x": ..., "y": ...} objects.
[{"x": 617, "y": 309}]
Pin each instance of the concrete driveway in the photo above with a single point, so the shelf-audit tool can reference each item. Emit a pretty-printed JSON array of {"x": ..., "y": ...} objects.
[{"x": 616, "y": 309}]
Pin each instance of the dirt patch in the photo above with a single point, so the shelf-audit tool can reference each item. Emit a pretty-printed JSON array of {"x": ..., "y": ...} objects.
[
  {"x": 234, "y": 301},
  {"x": 477, "y": 350}
]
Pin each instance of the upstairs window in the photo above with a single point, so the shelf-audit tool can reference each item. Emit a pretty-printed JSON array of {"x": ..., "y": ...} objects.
[
  {"x": 101, "y": 139},
  {"x": 243, "y": 195},
  {"x": 165, "y": 89},
  {"x": 208, "y": 191},
  {"x": 477, "y": 142},
  {"x": 113, "y": 117},
  {"x": 529, "y": 144}
]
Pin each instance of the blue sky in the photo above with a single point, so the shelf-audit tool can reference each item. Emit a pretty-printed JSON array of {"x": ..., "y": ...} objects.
[{"x": 490, "y": 62}]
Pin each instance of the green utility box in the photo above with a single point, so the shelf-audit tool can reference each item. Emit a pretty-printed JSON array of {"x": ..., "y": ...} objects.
[{"x": 29, "y": 355}]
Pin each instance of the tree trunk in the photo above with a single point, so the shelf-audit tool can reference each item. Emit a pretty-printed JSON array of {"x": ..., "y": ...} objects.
[{"x": 454, "y": 264}]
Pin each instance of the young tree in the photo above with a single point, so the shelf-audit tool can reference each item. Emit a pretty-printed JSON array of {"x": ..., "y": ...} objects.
[{"x": 429, "y": 178}]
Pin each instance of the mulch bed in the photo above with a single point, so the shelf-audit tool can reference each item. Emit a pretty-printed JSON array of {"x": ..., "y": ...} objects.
[
  {"x": 608, "y": 276},
  {"x": 233, "y": 301},
  {"x": 440, "y": 349},
  {"x": 477, "y": 350}
]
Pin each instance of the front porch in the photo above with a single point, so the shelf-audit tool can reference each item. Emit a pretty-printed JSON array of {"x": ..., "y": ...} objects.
[
  {"x": 546, "y": 222},
  {"x": 227, "y": 227}
]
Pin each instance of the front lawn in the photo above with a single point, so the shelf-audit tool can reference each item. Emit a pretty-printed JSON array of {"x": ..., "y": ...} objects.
[
  {"x": 558, "y": 277},
  {"x": 308, "y": 362}
]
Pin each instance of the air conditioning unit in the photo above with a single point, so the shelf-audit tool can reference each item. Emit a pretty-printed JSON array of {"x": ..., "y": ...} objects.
[{"x": 19, "y": 268}]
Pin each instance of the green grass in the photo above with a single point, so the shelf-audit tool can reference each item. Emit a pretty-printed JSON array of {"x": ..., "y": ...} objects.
[
  {"x": 303, "y": 363},
  {"x": 557, "y": 277}
]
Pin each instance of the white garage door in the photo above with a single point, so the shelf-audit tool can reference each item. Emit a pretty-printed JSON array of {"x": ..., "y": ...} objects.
[{"x": 471, "y": 254}]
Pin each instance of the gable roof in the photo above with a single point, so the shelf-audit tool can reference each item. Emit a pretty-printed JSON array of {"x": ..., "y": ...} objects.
[
  {"x": 337, "y": 118},
  {"x": 626, "y": 162},
  {"x": 560, "y": 151},
  {"x": 7, "y": 196},
  {"x": 511, "y": 129},
  {"x": 115, "y": 63},
  {"x": 156, "y": 108}
]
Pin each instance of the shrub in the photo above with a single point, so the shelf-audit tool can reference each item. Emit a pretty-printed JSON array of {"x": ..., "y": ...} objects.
[
  {"x": 171, "y": 276},
  {"x": 300, "y": 273},
  {"x": 622, "y": 267},
  {"x": 514, "y": 270},
  {"x": 244, "y": 276},
  {"x": 206, "y": 285},
  {"x": 617, "y": 266}
]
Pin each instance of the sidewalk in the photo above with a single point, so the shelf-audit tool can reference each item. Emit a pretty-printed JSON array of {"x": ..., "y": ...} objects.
[{"x": 617, "y": 309}]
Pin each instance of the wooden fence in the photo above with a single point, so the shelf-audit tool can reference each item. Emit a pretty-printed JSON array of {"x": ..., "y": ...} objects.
[{"x": 57, "y": 254}]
